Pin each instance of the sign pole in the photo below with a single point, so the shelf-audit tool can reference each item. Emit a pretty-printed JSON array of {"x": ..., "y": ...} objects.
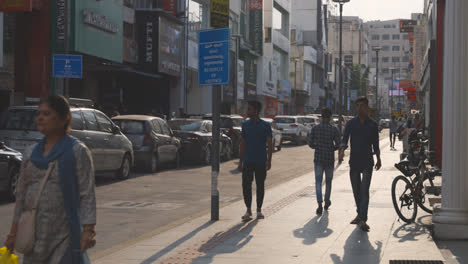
[{"x": 216, "y": 98}]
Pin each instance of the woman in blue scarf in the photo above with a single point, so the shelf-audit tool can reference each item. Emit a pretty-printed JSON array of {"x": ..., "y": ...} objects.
[{"x": 66, "y": 213}]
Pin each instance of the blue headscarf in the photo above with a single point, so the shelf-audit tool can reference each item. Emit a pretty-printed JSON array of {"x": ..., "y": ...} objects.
[{"x": 63, "y": 153}]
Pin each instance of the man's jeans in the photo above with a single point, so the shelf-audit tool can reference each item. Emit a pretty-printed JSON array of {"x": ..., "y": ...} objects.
[
  {"x": 319, "y": 170},
  {"x": 361, "y": 189}
]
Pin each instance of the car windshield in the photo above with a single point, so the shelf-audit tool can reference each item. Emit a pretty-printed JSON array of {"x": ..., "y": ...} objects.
[
  {"x": 226, "y": 122},
  {"x": 238, "y": 122},
  {"x": 285, "y": 120},
  {"x": 309, "y": 120},
  {"x": 18, "y": 119},
  {"x": 185, "y": 125},
  {"x": 131, "y": 127}
]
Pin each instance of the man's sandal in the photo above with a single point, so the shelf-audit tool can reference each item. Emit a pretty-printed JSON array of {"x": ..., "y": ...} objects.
[
  {"x": 246, "y": 217},
  {"x": 355, "y": 221},
  {"x": 364, "y": 227}
]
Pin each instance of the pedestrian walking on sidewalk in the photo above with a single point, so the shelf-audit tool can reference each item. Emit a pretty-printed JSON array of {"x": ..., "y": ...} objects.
[
  {"x": 57, "y": 180},
  {"x": 364, "y": 135},
  {"x": 254, "y": 159},
  {"x": 393, "y": 131},
  {"x": 325, "y": 139}
]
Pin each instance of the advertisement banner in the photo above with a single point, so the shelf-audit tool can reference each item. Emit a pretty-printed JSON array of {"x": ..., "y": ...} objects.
[
  {"x": 256, "y": 25},
  {"x": 147, "y": 28},
  {"x": 250, "y": 77},
  {"x": 407, "y": 26},
  {"x": 271, "y": 107},
  {"x": 15, "y": 5},
  {"x": 170, "y": 47},
  {"x": 284, "y": 91},
  {"x": 270, "y": 76},
  {"x": 240, "y": 80},
  {"x": 98, "y": 28},
  {"x": 219, "y": 13},
  {"x": 171, "y": 6}
]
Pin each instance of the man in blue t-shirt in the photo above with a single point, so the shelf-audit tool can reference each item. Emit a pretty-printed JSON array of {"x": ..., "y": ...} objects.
[{"x": 254, "y": 160}]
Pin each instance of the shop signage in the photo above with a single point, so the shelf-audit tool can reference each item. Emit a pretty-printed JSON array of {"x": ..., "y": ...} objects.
[
  {"x": 170, "y": 47},
  {"x": 270, "y": 72},
  {"x": 171, "y": 6},
  {"x": 219, "y": 13},
  {"x": 213, "y": 57},
  {"x": 240, "y": 80},
  {"x": 99, "y": 21},
  {"x": 149, "y": 41},
  {"x": 271, "y": 107},
  {"x": 61, "y": 21},
  {"x": 284, "y": 91},
  {"x": 130, "y": 51},
  {"x": 250, "y": 77},
  {"x": 407, "y": 26},
  {"x": 67, "y": 66},
  {"x": 256, "y": 25},
  {"x": 15, "y": 5}
]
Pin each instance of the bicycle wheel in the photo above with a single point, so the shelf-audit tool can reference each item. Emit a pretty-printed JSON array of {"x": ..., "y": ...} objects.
[
  {"x": 403, "y": 200},
  {"x": 423, "y": 200}
]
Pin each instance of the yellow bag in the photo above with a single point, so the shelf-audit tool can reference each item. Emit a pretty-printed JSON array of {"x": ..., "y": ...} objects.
[{"x": 6, "y": 257}]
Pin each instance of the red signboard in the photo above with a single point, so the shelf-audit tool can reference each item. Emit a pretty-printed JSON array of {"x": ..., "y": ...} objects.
[
  {"x": 15, "y": 5},
  {"x": 171, "y": 6},
  {"x": 256, "y": 5},
  {"x": 271, "y": 108}
]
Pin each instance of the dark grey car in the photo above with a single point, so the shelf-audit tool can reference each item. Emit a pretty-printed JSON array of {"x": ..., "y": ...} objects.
[
  {"x": 10, "y": 162},
  {"x": 111, "y": 150},
  {"x": 153, "y": 141}
]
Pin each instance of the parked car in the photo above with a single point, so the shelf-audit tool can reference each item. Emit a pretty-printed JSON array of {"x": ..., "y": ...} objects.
[
  {"x": 231, "y": 126},
  {"x": 277, "y": 137},
  {"x": 153, "y": 141},
  {"x": 111, "y": 150},
  {"x": 196, "y": 139},
  {"x": 384, "y": 123},
  {"x": 293, "y": 127},
  {"x": 310, "y": 122},
  {"x": 10, "y": 162}
]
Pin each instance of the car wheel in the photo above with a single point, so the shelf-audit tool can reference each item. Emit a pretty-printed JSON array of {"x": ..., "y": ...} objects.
[
  {"x": 14, "y": 176},
  {"x": 124, "y": 172},
  {"x": 152, "y": 165},
  {"x": 228, "y": 154},
  {"x": 207, "y": 157}
]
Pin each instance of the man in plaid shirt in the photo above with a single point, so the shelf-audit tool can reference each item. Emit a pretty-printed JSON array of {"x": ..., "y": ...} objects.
[{"x": 325, "y": 139}]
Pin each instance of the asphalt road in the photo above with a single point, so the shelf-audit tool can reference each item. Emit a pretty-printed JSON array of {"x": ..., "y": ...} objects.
[{"x": 152, "y": 203}]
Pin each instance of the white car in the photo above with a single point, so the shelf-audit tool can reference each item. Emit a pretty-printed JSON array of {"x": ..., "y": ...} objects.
[
  {"x": 293, "y": 128},
  {"x": 277, "y": 134}
]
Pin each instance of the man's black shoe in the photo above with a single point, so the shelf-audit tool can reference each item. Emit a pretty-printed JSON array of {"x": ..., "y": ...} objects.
[
  {"x": 327, "y": 204},
  {"x": 319, "y": 210}
]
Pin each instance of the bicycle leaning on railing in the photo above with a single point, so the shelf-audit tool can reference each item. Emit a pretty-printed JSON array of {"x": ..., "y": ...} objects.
[{"x": 411, "y": 190}]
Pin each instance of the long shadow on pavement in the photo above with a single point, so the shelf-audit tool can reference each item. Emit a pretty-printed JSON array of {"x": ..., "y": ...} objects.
[
  {"x": 358, "y": 249},
  {"x": 175, "y": 244},
  {"x": 226, "y": 242},
  {"x": 410, "y": 232},
  {"x": 316, "y": 228}
]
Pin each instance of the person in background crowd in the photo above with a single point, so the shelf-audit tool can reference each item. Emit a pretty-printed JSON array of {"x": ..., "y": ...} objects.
[
  {"x": 325, "y": 139},
  {"x": 66, "y": 211},
  {"x": 254, "y": 159},
  {"x": 393, "y": 131},
  {"x": 364, "y": 135}
]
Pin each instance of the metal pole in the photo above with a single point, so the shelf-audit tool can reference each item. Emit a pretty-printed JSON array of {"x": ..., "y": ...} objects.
[
  {"x": 377, "y": 86},
  {"x": 236, "y": 73},
  {"x": 391, "y": 97},
  {"x": 295, "y": 87},
  {"x": 340, "y": 71},
  {"x": 216, "y": 99}
]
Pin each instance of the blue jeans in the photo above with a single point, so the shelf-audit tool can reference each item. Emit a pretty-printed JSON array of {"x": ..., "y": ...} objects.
[
  {"x": 361, "y": 189},
  {"x": 319, "y": 169}
]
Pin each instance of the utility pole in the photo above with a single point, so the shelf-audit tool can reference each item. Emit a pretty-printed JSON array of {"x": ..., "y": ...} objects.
[
  {"x": 340, "y": 123},
  {"x": 377, "y": 49},
  {"x": 295, "y": 86}
]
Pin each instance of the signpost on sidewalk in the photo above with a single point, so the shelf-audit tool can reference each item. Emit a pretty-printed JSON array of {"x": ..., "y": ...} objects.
[{"x": 214, "y": 70}]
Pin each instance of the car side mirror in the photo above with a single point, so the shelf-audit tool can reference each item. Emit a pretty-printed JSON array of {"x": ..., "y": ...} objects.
[
  {"x": 2, "y": 145},
  {"x": 116, "y": 130}
]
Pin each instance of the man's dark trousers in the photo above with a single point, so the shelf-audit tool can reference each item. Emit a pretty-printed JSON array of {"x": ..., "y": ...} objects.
[
  {"x": 361, "y": 189},
  {"x": 248, "y": 172}
]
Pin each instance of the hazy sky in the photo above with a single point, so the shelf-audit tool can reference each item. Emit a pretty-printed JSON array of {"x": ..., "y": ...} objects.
[{"x": 382, "y": 9}]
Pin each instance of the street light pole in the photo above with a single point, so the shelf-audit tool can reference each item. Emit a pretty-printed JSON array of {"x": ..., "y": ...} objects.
[
  {"x": 341, "y": 3},
  {"x": 377, "y": 49},
  {"x": 295, "y": 86}
]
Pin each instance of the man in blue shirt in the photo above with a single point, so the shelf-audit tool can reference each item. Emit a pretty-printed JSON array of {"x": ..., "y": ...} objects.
[
  {"x": 325, "y": 139},
  {"x": 364, "y": 135},
  {"x": 254, "y": 160}
]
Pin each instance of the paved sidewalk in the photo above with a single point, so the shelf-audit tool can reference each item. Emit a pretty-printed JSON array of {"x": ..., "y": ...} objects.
[{"x": 291, "y": 232}]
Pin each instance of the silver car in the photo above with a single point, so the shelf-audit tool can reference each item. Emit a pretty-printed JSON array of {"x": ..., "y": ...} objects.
[
  {"x": 277, "y": 137},
  {"x": 293, "y": 127},
  {"x": 111, "y": 150}
]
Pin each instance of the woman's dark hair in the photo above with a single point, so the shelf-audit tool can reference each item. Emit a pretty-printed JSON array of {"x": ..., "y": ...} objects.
[
  {"x": 363, "y": 100},
  {"x": 256, "y": 105},
  {"x": 326, "y": 112},
  {"x": 60, "y": 105}
]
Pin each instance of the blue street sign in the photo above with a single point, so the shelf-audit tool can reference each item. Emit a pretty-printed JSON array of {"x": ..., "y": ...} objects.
[
  {"x": 213, "y": 57},
  {"x": 67, "y": 66}
]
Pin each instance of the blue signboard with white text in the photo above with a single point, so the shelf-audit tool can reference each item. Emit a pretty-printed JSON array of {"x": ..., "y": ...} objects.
[
  {"x": 67, "y": 66},
  {"x": 213, "y": 57}
]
